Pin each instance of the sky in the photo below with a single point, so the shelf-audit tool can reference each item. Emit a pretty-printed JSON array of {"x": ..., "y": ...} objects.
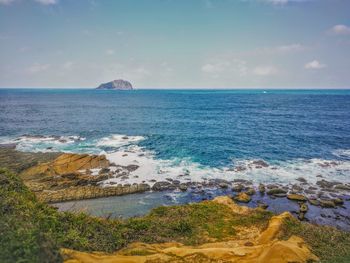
[{"x": 175, "y": 43}]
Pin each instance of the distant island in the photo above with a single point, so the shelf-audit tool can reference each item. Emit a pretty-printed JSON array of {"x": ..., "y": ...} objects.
[{"x": 117, "y": 84}]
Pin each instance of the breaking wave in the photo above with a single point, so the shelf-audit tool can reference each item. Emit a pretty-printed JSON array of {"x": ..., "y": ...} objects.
[{"x": 125, "y": 150}]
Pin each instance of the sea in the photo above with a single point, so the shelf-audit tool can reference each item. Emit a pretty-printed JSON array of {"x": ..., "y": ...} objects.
[{"x": 206, "y": 134}]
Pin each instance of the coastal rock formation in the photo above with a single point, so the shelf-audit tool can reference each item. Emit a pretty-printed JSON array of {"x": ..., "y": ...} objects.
[
  {"x": 75, "y": 177},
  {"x": 117, "y": 84},
  {"x": 249, "y": 247}
]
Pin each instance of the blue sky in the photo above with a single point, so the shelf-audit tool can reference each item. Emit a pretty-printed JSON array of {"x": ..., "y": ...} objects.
[{"x": 175, "y": 43}]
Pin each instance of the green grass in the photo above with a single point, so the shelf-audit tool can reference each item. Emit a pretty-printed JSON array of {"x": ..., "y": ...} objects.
[{"x": 328, "y": 243}]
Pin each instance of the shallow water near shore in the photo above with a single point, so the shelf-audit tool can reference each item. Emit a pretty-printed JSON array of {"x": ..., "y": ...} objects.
[{"x": 141, "y": 204}]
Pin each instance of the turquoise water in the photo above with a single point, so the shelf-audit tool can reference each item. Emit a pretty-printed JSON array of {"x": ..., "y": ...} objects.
[{"x": 202, "y": 132}]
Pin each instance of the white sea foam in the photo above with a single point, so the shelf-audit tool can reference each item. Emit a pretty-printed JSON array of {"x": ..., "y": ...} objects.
[
  {"x": 152, "y": 169},
  {"x": 118, "y": 140},
  {"x": 35, "y": 143},
  {"x": 124, "y": 150}
]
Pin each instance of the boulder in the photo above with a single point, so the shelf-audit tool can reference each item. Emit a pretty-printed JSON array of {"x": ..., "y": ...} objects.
[
  {"x": 276, "y": 191},
  {"x": 297, "y": 197},
  {"x": 242, "y": 197},
  {"x": 162, "y": 186}
]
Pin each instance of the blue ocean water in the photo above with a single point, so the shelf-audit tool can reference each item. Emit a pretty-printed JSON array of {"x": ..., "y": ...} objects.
[{"x": 215, "y": 129}]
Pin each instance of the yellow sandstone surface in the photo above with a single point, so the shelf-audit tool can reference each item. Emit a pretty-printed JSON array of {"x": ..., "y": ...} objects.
[
  {"x": 68, "y": 178},
  {"x": 262, "y": 247}
]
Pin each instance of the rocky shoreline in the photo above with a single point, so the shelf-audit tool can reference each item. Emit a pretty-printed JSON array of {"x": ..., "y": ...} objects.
[{"x": 61, "y": 177}]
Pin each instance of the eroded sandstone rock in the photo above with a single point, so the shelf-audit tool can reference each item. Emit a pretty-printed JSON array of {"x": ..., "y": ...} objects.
[{"x": 265, "y": 247}]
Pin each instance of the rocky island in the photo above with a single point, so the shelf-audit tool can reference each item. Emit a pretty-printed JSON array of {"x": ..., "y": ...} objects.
[{"x": 117, "y": 84}]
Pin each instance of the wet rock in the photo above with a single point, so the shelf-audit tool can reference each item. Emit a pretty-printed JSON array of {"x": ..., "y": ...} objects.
[
  {"x": 310, "y": 192},
  {"x": 183, "y": 187},
  {"x": 223, "y": 185},
  {"x": 303, "y": 208},
  {"x": 242, "y": 197},
  {"x": 237, "y": 188},
  {"x": 314, "y": 202},
  {"x": 262, "y": 205},
  {"x": 327, "y": 203},
  {"x": 301, "y": 179},
  {"x": 338, "y": 201},
  {"x": 239, "y": 169},
  {"x": 260, "y": 164},
  {"x": 342, "y": 187},
  {"x": 302, "y": 211},
  {"x": 297, "y": 187},
  {"x": 242, "y": 181},
  {"x": 250, "y": 191},
  {"x": 132, "y": 167},
  {"x": 276, "y": 191},
  {"x": 162, "y": 186},
  {"x": 296, "y": 197},
  {"x": 262, "y": 189},
  {"x": 327, "y": 184}
]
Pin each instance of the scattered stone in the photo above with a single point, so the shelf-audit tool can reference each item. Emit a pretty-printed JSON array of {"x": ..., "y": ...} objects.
[
  {"x": 223, "y": 185},
  {"x": 326, "y": 184},
  {"x": 296, "y": 197},
  {"x": 237, "y": 188},
  {"x": 242, "y": 197},
  {"x": 183, "y": 187},
  {"x": 242, "y": 181},
  {"x": 239, "y": 168},
  {"x": 262, "y": 205},
  {"x": 132, "y": 167},
  {"x": 314, "y": 202},
  {"x": 162, "y": 186},
  {"x": 262, "y": 189},
  {"x": 310, "y": 192},
  {"x": 327, "y": 203},
  {"x": 275, "y": 191},
  {"x": 301, "y": 179},
  {"x": 260, "y": 164},
  {"x": 342, "y": 187},
  {"x": 250, "y": 191},
  {"x": 338, "y": 201},
  {"x": 297, "y": 187},
  {"x": 303, "y": 208}
]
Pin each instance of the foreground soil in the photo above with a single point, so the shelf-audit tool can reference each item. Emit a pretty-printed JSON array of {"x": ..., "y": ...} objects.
[{"x": 211, "y": 231}]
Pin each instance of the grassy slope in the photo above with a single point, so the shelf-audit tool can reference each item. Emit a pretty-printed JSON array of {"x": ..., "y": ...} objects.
[{"x": 34, "y": 232}]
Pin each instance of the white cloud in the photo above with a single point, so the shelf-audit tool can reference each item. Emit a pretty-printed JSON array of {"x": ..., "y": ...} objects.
[
  {"x": 265, "y": 71},
  {"x": 37, "y": 68},
  {"x": 6, "y": 2},
  {"x": 278, "y": 2},
  {"x": 315, "y": 64},
  {"x": 218, "y": 67},
  {"x": 47, "y": 2},
  {"x": 43, "y": 2},
  {"x": 110, "y": 52},
  {"x": 340, "y": 30},
  {"x": 68, "y": 65},
  {"x": 290, "y": 48}
]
